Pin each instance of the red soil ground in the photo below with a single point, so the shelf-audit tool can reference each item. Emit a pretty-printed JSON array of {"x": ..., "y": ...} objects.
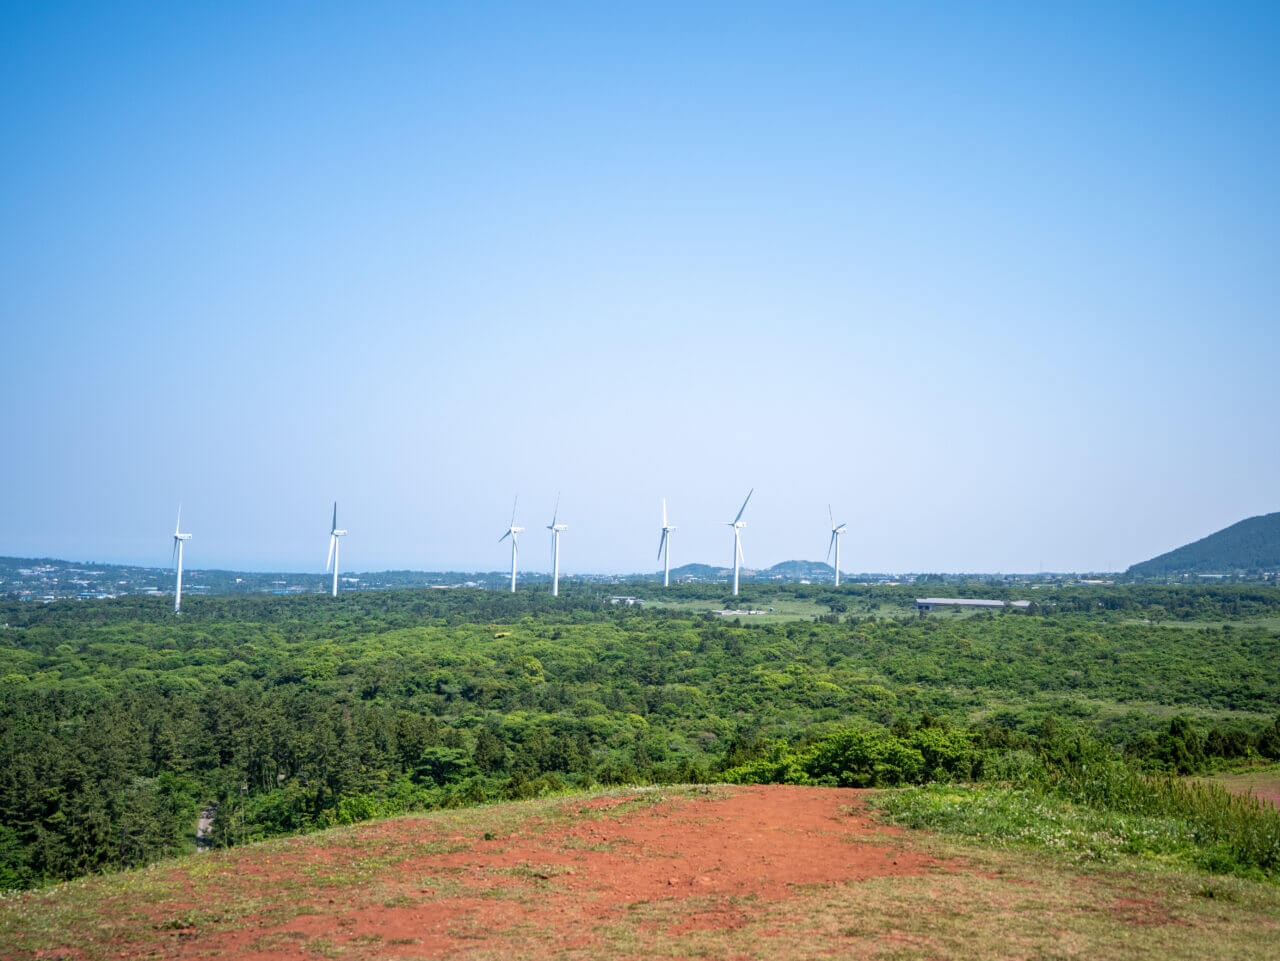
[{"x": 568, "y": 877}]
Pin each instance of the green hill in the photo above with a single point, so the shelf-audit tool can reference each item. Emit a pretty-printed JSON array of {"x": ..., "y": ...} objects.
[
  {"x": 797, "y": 570},
  {"x": 1251, "y": 545}
]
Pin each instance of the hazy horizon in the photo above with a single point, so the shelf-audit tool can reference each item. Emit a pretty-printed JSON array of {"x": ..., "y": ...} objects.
[
  {"x": 996, "y": 283},
  {"x": 535, "y": 571}
]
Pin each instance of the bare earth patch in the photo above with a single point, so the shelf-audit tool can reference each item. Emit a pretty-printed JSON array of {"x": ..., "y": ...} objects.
[{"x": 742, "y": 872}]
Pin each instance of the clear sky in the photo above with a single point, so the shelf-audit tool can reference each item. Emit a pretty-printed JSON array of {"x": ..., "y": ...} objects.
[{"x": 999, "y": 281}]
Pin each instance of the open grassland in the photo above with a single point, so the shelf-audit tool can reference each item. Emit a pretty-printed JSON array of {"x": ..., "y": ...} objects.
[
  {"x": 777, "y": 610},
  {"x": 1262, "y": 782},
  {"x": 724, "y": 872},
  {"x": 1269, "y": 623}
]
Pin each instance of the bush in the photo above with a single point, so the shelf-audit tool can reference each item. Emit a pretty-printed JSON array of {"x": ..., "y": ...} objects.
[{"x": 855, "y": 758}]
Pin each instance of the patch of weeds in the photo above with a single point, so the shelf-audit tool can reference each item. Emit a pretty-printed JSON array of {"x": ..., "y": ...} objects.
[
  {"x": 323, "y": 947},
  {"x": 1216, "y": 894},
  {"x": 191, "y": 919},
  {"x": 583, "y": 844},
  {"x": 1080, "y": 833},
  {"x": 541, "y": 872},
  {"x": 472, "y": 933}
]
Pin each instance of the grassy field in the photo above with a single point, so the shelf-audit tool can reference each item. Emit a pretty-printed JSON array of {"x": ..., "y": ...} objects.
[
  {"x": 764, "y": 872},
  {"x": 1262, "y": 782},
  {"x": 778, "y": 610},
  {"x": 1270, "y": 623}
]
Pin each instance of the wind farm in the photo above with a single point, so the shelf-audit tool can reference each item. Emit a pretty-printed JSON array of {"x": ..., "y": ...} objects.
[{"x": 555, "y": 528}]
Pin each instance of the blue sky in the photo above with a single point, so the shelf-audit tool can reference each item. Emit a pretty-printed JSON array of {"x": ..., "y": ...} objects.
[{"x": 999, "y": 281}]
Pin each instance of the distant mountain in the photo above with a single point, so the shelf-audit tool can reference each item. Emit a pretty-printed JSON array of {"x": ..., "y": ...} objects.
[
  {"x": 1251, "y": 545},
  {"x": 786, "y": 571},
  {"x": 702, "y": 572},
  {"x": 798, "y": 570}
]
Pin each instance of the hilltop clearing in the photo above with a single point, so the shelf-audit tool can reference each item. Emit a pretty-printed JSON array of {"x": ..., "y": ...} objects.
[{"x": 740, "y": 872}]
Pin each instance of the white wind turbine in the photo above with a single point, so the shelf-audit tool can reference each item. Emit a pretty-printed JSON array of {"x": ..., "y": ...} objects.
[
  {"x": 555, "y": 530},
  {"x": 836, "y": 531},
  {"x": 178, "y": 538},
  {"x": 664, "y": 546},
  {"x": 334, "y": 534},
  {"x": 513, "y": 532},
  {"x": 738, "y": 524}
]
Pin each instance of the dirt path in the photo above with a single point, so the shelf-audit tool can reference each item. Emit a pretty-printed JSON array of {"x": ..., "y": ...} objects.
[{"x": 203, "y": 827}]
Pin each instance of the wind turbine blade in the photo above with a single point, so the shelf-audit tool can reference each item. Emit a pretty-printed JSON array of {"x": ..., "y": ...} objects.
[
  {"x": 830, "y": 544},
  {"x": 742, "y": 558},
  {"x": 504, "y": 536},
  {"x": 832, "y": 516},
  {"x": 178, "y": 526},
  {"x": 329, "y": 563},
  {"x": 662, "y": 542},
  {"x": 556, "y": 513},
  {"x": 744, "y": 505},
  {"x": 513, "y": 511},
  {"x": 173, "y": 558},
  {"x": 335, "y": 517}
]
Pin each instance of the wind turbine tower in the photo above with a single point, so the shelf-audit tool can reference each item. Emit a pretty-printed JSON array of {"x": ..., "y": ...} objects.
[
  {"x": 738, "y": 524},
  {"x": 513, "y": 532},
  {"x": 664, "y": 546},
  {"x": 334, "y": 534},
  {"x": 178, "y": 539},
  {"x": 836, "y": 531},
  {"x": 555, "y": 530}
]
